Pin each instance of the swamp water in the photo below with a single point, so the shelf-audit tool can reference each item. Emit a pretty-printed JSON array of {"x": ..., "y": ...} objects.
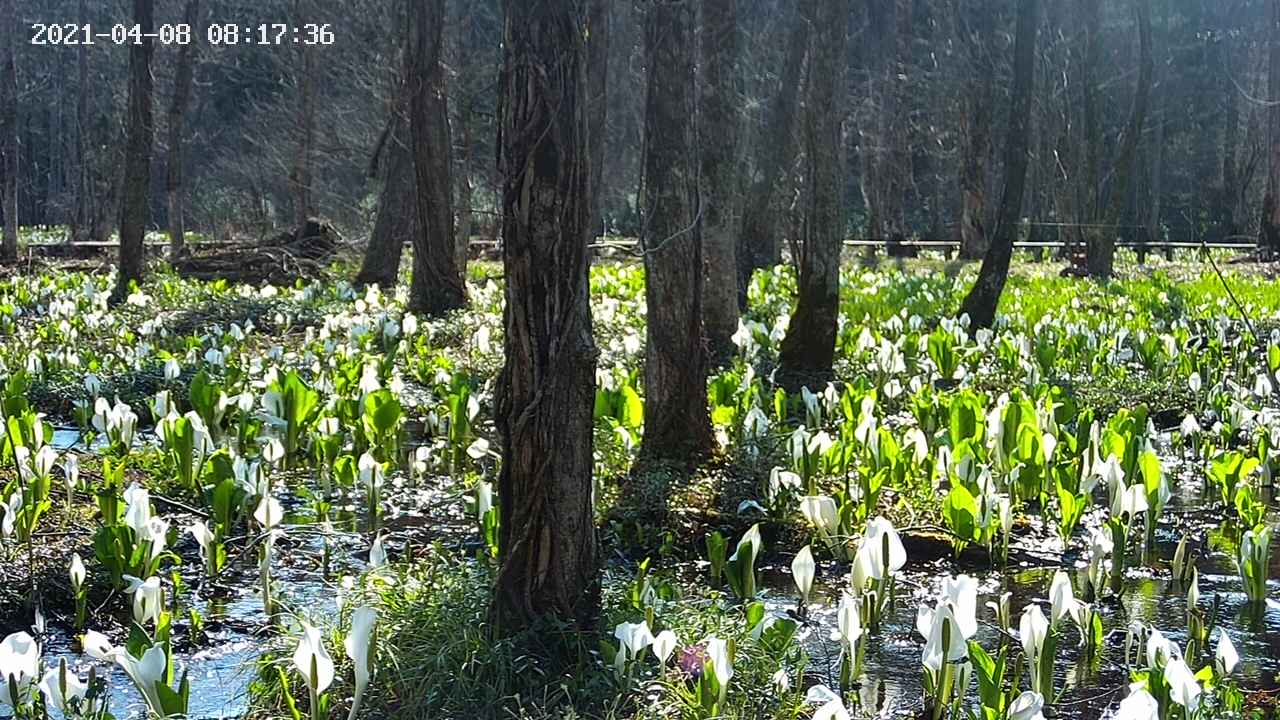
[
  {"x": 223, "y": 665},
  {"x": 892, "y": 683}
]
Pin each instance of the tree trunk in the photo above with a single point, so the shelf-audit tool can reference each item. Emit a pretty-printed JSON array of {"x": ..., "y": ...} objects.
[
  {"x": 182, "y": 79},
  {"x": 437, "y": 285},
  {"x": 9, "y": 129},
  {"x": 397, "y": 220},
  {"x": 1089, "y": 181},
  {"x": 1103, "y": 249},
  {"x": 466, "y": 191},
  {"x": 82, "y": 222},
  {"x": 677, "y": 426},
  {"x": 1270, "y": 236},
  {"x": 1151, "y": 230},
  {"x": 808, "y": 350},
  {"x": 886, "y": 162},
  {"x": 897, "y": 122},
  {"x": 1231, "y": 190},
  {"x": 979, "y": 25},
  {"x": 136, "y": 192},
  {"x": 984, "y": 297},
  {"x": 760, "y": 243},
  {"x": 719, "y": 127},
  {"x": 599, "y": 38},
  {"x": 306, "y": 119},
  {"x": 549, "y": 560}
]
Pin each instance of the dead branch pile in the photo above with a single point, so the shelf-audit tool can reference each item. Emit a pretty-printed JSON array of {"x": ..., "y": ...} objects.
[{"x": 279, "y": 260}]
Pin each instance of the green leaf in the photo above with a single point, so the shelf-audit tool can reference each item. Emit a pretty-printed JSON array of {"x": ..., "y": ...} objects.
[
  {"x": 961, "y": 510},
  {"x": 632, "y": 408},
  {"x": 292, "y": 704}
]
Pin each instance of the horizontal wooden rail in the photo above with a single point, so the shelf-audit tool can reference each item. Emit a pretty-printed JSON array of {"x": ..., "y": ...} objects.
[{"x": 631, "y": 242}]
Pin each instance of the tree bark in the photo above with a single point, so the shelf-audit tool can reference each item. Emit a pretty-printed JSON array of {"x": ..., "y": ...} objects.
[
  {"x": 300, "y": 177},
  {"x": 979, "y": 29},
  {"x": 466, "y": 191},
  {"x": 82, "y": 221},
  {"x": 174, "y": 180},
  {"x": 397, "y": 220},
  {"x": 886, "y": 162},
  {"x": 1102, "y": 250},
  {"x": 1231, "y": 186},
  {"x": 677, "y": 426},
  {"x": 549, "y": 560},
  {"x": 760, "y": 243},
  {"x": 1089, "y": 182},
  {"x": 1270, "y": 226},
  {"x": 437, "y": 285},
  {"x": 9, "y": 129},
  {"x": 136, "y": 192},
  {"x": 599, "y": 40},
  {"x": 808, "y": 350},
  {"x": 719, "y": 127},
  {"x": 984, "y": 297}
]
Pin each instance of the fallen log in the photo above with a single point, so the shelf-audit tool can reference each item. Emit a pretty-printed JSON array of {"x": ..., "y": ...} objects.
[{"x": 278, "y": 260}]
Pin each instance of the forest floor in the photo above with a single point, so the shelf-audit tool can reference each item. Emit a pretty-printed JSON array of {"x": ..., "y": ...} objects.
[{"x": 889, "y": 438}]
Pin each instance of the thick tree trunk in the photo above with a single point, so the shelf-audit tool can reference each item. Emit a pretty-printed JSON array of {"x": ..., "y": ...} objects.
[
  {"x": 677, "y": 426},
  {"x": 760, "y": 244},
  {"x": 182, "y": 80},
  {"x": 437, "y": 285},
  {"x": 9, "y": 128},
  {"x": 136, "y": 192},
  {"x": 549, "y": 559},
  {"x": 1270, "y": 234},
  {"x": 719, "y": 128},
  {"x": 1102, "y": 250},
  {"x": 808, "y": 350},
  {"x": 599, "y": 38},
  {"x": 397, "y": 220},
  {"x": 984, "y": 297},
  {"x": 979, "y": 36}
]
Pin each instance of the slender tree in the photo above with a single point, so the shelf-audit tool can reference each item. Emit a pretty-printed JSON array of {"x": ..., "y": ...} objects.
[
  {"x": 174, "y": 180},
  {"x": 1270, "y": 234},
  {"x": 437, "y": 285},
  {"x": 549, "y": 563},
  {"x": 1089, "y": 181},
  {"x": 808, "y": 350},
  {"x": 760, "y": 245},
  {"x": 978, "y": 23},
  {"x": 300, "y": 175},
  {"x": 9, "y": 128},
  {"x": 718, "y": 125},
  {"x": 886, "y": 171},
  {"x": 984, "y": 297},
  {"x": 136, "y": 193},
  {"x": 677, "y": 426},
  {"x": 1102, "y": 252},
  {"x": 82, "y": 217},
  {"x": 599, "y": 42}
]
